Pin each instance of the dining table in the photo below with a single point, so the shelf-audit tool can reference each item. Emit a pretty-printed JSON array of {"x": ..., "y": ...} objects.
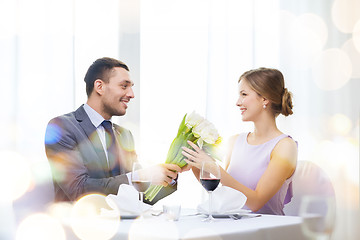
[{"x": 191, "y": 225}]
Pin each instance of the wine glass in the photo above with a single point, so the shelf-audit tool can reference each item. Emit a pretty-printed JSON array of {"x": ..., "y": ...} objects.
[
  {"x": 210, "y": 179},
  {"x": 318, "y": 213},
  {"x": 139, "y": 181}
]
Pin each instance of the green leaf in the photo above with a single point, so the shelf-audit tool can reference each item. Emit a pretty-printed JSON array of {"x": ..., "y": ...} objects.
[
  {"x": 176, "y": 143},
  {"x": 172, "y": 150},
  {"x": 182, "y": 126},
  {"x": 152, "y": 191},
  {"x": 182, "y": 141}
]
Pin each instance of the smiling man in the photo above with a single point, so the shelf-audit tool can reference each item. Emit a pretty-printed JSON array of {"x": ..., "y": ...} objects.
[{"x": 90, "y": 154}]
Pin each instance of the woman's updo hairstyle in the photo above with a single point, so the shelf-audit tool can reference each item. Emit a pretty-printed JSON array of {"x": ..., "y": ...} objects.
[{"x": 269, "y": 83}]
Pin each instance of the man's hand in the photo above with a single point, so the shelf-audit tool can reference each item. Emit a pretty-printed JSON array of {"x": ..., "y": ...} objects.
[{"x": 161, "y": 174}]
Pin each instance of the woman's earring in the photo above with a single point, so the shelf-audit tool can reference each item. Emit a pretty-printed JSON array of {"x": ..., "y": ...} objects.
[{"x": 264, "y": 106}]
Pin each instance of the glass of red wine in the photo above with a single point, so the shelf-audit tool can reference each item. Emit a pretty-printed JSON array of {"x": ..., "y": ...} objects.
[
  {"x": 210, "y": 179},
  {"x": 140, "y": 181}
]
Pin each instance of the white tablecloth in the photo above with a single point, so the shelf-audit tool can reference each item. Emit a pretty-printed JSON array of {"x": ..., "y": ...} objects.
[{"x": 267, "y": 227}]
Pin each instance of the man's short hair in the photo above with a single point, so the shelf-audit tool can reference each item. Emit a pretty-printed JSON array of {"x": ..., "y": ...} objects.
[{"x": 100, "y": 69}]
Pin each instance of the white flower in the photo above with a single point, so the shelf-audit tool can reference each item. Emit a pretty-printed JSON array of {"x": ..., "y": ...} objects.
[
  {"x": 206, "y": 131},
  {"x": 193, "y": 119}
]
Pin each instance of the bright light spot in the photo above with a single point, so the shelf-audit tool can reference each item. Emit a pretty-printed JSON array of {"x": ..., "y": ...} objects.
[
  {"x": 53, "y": 134},
  {"x": 141, "y": 227},
  {"x": 340, "y": 124},
  {"x": 356, "y": 36},
  {"x": 41, "y": 171},
  {"x": 310, "y": 34},
  {"x": 350, "y": 153},
  {"x": 354, "y": 56},
  {"x": 340, "y": 154},
  {"x": 40, "y": 226},
  {"x": 13, "y": 186},
  {"x": 316, "y": 25},
  {"x": 332, "y": 69},
  {"x": 61, "y": 210},
  {"x": 87, "y": 221},
  {"x": 325, "y": 153},
  {"x": 199, "y": 233},
  {"x": 345, "y": 13},
  {"x": 302, "y": 38},
  {"x": 59, "y": 167}
]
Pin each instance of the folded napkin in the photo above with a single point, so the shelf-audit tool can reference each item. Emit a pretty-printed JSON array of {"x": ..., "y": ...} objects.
[
  {"x": 224, "y": 200},
  {"x": 126, "y": 202}
]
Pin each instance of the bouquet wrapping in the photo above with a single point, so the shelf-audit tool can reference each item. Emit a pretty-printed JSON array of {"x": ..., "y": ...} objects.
[{"x": 192, "y": 128}]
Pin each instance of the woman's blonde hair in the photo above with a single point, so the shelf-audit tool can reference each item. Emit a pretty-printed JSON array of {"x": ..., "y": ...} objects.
[{"x": 269, "y": 83}]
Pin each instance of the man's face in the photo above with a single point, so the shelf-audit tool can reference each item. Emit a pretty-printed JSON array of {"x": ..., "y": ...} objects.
[{"x": 117, "y": 92}]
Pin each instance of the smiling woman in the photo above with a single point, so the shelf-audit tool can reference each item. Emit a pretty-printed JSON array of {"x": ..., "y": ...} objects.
[
  {"x": 261, "y": 163},
  {"x": 268, "y": 87}
]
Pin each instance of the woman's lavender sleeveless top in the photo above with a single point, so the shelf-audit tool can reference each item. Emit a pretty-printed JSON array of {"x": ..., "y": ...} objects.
[{"x": 249, "y": 162}]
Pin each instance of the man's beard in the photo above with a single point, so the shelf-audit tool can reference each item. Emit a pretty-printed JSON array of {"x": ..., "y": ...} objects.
[{"x": 113, "y": 111}]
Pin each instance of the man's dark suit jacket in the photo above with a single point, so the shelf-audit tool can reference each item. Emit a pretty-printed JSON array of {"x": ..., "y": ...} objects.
[{"x": 77, "y": 158}]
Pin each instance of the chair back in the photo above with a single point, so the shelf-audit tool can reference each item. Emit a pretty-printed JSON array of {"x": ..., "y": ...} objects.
[{"x": 309, "y": 180}]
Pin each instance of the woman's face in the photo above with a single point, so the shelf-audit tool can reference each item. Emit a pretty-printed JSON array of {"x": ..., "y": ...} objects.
[{"x": 250, "y": 103}]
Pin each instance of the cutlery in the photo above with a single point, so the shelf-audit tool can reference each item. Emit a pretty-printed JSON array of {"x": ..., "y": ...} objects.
[
  {"x": 239, "y": 216},
  {"x": 157, "y": 213},
  {"x": 236, "y": 216}
]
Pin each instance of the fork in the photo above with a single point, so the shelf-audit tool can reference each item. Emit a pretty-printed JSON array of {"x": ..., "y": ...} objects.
[{"x": 236, "y": 216}]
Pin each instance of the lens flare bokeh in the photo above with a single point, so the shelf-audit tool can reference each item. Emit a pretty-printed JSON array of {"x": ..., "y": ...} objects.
[
  {"x": 60, "y": 210},
  {"x": 356, "y": 36},
  {"x": 345, "y": 14},
  {"x": 340, "y": 124},
  {"x": 354, "y": 55},
  {"x": 332, "y": 69},
  {"x": 88, "y": 222},
  {"x": 53, "y": 134},
  {"x": 40, "y": 226},
  {"x": 12, "y": 185},
  {"x": 303, "y": 37}
]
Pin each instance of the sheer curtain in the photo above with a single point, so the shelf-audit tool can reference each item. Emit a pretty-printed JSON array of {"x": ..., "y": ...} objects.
[
  {"x": 36, "y": 65},
  {"x": 183, "y": 56},
  {"x": 204, "y": 46},
  {"x": 46, "y": 47}
]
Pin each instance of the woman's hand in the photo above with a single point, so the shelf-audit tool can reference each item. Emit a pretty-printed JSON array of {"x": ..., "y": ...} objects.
[
  {"x": 195, "y": 157},
  {"x": 186, "y": 168}
]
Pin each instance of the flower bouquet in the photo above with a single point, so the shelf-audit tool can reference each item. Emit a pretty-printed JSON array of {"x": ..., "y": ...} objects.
[{"x": 193, "y": 128}]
